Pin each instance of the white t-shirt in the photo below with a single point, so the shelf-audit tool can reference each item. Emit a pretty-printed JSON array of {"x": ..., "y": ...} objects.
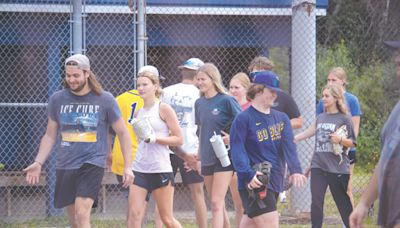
[{"x": 182, "y": 98}]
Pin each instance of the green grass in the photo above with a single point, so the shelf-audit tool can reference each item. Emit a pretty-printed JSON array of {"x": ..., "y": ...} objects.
[{"x": 361, "y": 180}]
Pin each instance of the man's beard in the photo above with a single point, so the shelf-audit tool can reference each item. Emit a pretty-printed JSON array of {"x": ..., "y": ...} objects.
[{"x": 79, "y": 88}]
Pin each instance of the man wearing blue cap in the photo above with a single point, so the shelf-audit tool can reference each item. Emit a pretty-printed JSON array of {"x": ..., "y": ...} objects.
[{"x": 385, "y": 181}]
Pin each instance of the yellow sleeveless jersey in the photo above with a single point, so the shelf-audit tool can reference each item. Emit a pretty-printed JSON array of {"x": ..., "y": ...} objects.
[{"x": 129, "y": 103}]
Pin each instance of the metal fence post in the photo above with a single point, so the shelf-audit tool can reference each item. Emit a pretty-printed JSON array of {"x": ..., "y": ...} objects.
[
  {"x": 77, "y": 27},
  {"x": 304, "y": 85}
]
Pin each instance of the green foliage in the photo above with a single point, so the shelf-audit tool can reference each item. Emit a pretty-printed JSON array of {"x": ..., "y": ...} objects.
[
  {"x": 370, "y": 92},
  {"x": 280, "y": 57},
  {"x": 363, "y": 24},
  {"x": 327, "y": 58},
  {"x": 376, "y": 88}
]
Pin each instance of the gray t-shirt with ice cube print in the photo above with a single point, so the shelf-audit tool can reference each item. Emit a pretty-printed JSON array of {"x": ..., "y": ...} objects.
[
  {"x": 83, "y": 125},
  {"x": 323, "y": 157}
]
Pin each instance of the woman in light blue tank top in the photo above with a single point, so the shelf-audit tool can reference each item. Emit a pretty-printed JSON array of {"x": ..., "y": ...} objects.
[{"x": 152, "y": 167}]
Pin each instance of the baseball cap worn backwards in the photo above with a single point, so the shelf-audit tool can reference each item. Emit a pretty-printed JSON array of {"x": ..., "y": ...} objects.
[
  {"x": 151, "y": 69},
  {"x": 267, "y": 78},
  {"x": 82, "y": 61},
  {"x": 192, "y": 64}
]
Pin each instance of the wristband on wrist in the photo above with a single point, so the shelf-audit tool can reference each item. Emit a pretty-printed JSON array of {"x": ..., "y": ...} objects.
[{"x": 41, "y": 164}]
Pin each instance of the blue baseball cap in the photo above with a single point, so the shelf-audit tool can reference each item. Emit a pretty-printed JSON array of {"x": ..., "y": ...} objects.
[{"x": 267, "y": 78}]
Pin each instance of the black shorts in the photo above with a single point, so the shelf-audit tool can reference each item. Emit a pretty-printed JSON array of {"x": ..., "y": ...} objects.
[
  {"x": 125, "y": 191},
  {"x": 188, "y": 177},
  {"x": 72, "y": 183},
  {"x": 352, "y": 156},
  {"x": 211, "y": 169},
  {"x": 152, "y": 181},
  {"x": 254, "y": 210}
]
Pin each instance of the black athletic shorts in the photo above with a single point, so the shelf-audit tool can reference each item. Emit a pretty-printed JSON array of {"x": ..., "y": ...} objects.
[
  {"x": 72, "y": 183},
  {"x": 211, "y": 169},
  {"x": 188, "y": 177},
  {"x": 152, "y": 181},
  {"x": 254, "y": 209},
  {"x": 125, "y": 191}
]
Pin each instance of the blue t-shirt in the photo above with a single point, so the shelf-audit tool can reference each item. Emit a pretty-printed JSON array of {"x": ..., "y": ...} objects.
[
  {"x": 213, "y": 115},
  {"x": 256, "y": 137},
  {"x": 83, "y": 124}
]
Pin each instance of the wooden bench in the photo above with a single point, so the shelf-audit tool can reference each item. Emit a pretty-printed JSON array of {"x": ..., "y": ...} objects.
[{"x": 10, "y": 179}]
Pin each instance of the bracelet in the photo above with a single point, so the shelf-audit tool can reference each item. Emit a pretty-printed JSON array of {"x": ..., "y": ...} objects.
[{"x": 41, "y": 164}]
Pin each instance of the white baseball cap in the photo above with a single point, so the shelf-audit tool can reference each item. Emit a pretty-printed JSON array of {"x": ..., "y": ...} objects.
[
  {"x": 151, "y": 69},
  {"x": 82, "y": 61},
  {"x": 192, "y": 64}
]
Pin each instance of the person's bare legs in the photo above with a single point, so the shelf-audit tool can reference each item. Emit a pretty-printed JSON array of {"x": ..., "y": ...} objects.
[
  {"x": 237, "y": 202},
  {"x": 217, "y": 186},
  {"x": 164, "y": 198},
  {"x": 270, "y": 218},
  {"x": 157, "y": 219},
  {"x": 79, "y": 212},
  {"x": 247, "y": 222},
  {"x": 71, "y": 216},
  {"x": 200, "y": 207},
  {"x": 137, "y": 198},
  {"x": 227, "y": 222}
]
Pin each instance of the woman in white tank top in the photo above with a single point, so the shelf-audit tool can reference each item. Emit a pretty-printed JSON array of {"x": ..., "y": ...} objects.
[{"x": 152, "y": 166}]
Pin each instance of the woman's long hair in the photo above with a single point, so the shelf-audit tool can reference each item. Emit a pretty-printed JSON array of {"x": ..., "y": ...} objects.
[
  {"x": 337, "y": 92},
  {"x": 212, "y": 71}
]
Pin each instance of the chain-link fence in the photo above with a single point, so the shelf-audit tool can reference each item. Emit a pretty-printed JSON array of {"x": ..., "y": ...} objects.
[{"x": 36, "y": 37}]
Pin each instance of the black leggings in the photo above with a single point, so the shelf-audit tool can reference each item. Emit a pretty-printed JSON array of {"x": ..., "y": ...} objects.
[{"x": 337, "y": 183}]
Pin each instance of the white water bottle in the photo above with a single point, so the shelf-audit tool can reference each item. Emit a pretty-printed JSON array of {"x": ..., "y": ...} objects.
[{"x": 220, "y": 150}]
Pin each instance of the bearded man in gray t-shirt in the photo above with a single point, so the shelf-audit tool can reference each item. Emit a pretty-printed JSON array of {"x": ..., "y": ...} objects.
[{"x": 79, "y": 118}]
